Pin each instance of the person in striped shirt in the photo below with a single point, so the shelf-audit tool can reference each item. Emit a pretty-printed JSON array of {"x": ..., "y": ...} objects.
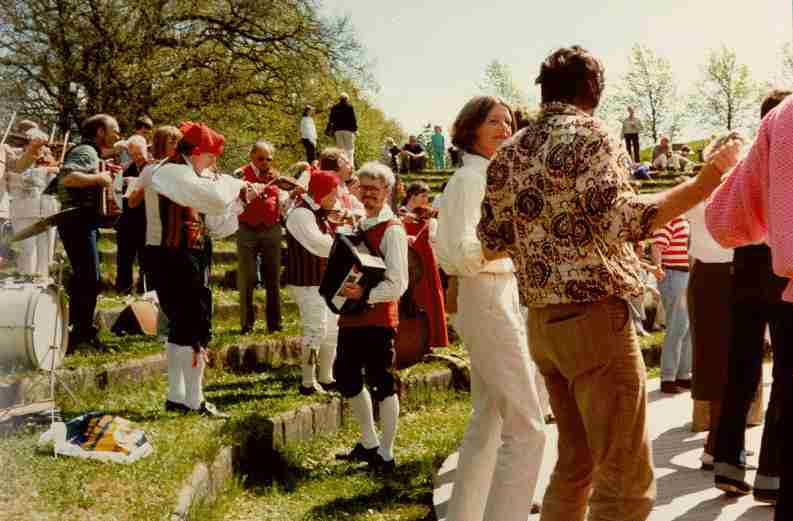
[{"x": 670, "y": 253}]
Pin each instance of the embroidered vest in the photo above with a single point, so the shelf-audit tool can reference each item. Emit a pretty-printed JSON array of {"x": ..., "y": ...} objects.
[
  {"x": 303, "y": 268},
  {"x": 182, "y": 227},
  {"x": 264, "y": 210},
  {"x": 383, "y": 314}
]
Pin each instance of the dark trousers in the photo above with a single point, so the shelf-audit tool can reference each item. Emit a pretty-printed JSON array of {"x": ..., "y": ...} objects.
[
  {"x": 267, "y": 243},
  {"x": 632, "y": 143},
  {"x": 179, "y": 278},
  {"x": 749, "y": 318},
  {"x": 311, "y": 150},
  {"x": 130, "y": 241},
  {"x": 365, "y": 354},
  {"x": 79, "y": 241}
]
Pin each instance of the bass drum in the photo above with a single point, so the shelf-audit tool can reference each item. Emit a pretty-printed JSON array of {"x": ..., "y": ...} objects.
[
  {"x": 33, "y": 317},
  {"x": 412, "y": 340}
]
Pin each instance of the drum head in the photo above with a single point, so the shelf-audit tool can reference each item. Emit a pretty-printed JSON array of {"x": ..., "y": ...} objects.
[{"x": 49, "y": 323}]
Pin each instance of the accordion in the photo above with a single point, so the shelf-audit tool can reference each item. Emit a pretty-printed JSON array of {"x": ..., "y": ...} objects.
[{"x": 347, "y": 265}]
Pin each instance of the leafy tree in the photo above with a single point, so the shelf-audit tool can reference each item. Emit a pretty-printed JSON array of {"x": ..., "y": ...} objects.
[
  {"x": 727, "y": 97},
  {"x": 498, "y": 81},
  {"x": 649, "y": 87}
]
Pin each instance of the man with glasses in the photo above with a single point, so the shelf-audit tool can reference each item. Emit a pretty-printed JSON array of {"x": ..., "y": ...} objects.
[
  {"x": 260, "y": 233},
  {"x": 79, "y": 185}
]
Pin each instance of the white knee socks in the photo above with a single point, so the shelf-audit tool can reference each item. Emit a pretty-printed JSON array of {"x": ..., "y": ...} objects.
[
  {"x": 327, "y": 354},
  {"x": 362, "y": 411},
  {"x": 185, "y": 382},
  {"x": 389, "y": 418}
]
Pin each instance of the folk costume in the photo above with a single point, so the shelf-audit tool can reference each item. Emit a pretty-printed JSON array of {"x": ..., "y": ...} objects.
[
  {"x": 365, "y": 351},
  {"x": 28, "y": 204},
  {"x": 183, "y": 210},
  {"x": 260, "y": 234},
  {"x": 309, "y": 239}
]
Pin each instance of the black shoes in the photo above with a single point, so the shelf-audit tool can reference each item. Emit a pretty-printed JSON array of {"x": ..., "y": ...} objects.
[
  {"x": 360, "y": 453},
  {"x": 210, "y": 411},
  {"x": 733, "y": 487},
  {"x": 768, "y": 496},
  {"x": 670, "y": 387},
  {"x": 381, "y": 466},
  {"x": 176, "y": 407},
  {"x": 319, "y": 388}
]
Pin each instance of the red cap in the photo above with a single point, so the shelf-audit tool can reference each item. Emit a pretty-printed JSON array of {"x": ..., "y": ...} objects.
[
  {"x": 205, "y": 140},
  {"x": 321, "y": 184}
]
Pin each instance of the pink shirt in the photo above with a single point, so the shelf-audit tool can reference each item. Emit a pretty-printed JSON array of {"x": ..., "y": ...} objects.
[{"x": 755, "y": 203}]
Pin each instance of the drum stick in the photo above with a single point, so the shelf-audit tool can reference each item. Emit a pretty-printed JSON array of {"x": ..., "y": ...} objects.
[
  {"x": 8, "y": 128},
  {"x": 52, "y": 134},
  {"x": 65, "y": 143}
]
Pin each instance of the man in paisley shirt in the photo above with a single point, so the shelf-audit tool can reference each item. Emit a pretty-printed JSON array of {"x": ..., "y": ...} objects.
[{"x": 559, "y": 201}]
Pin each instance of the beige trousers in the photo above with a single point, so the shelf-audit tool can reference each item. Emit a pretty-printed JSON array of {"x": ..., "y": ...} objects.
[{"x": 590, "y": 357}]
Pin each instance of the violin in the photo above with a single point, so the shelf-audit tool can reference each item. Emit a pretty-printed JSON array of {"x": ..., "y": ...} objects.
[
  {"x": 339, "y": 217},
  {"x": 419, "y": 215}
]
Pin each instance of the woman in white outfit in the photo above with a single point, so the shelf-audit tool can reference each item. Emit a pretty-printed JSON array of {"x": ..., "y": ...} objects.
[
  {"x": 502, "y": 449},
  {"x": 28, "y": 204}
]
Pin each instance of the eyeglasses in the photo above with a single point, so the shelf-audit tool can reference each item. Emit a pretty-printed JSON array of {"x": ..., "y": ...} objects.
[
  {"x": 370, "y": 188},
  {"x": 265, "y": 158}
]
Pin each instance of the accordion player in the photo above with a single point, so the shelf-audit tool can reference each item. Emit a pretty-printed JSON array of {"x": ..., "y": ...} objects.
[{"x": 347, "y": 265}]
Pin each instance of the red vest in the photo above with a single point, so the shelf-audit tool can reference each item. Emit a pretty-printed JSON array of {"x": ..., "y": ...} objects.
[
  {"x": 264, "y": 210},
  {"x": 384, "y": 314},
  {"x": 303, "y": 268}
]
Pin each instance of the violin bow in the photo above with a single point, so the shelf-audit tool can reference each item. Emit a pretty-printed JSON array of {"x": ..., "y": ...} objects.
[
  {"x": 65, "y": 143},
  {"x": 8, "y": 128}
]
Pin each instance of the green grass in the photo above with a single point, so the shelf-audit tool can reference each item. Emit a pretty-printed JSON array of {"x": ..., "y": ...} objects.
[
  {"x": 316, "y": 487},
  {"x": 65, "y": 488}
]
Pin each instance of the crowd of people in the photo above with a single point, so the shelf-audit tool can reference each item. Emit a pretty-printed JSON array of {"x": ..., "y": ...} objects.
[{"x": 544, "y": 240}]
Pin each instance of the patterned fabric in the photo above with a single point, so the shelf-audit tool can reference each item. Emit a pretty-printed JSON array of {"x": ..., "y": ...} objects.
[
  {"x": 559, "y": 201},
  {"x": 754, "y": 204},
  {"x": 672, "y": 240}
]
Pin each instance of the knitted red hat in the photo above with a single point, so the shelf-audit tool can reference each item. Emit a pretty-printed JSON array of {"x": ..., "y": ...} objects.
[
  {"x": 321, "y": 184},
  {"x": 205, "y": 140}
]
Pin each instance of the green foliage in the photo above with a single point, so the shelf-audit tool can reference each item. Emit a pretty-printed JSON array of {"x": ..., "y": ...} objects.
[
  {"x": 727, "y": 98},
  {"x": 246, "y": 68},
  {"x": 498, "y": 81},
  {"x": 649, "y": 87}
]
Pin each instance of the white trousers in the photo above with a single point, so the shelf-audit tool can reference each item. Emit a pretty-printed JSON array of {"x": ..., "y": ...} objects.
[
  {"x": 320, "y": 334},
  {"x": 185, "y": 382},
  {"x": 345, "y": 140},
  {"x": 502, "y": 449},
  {"x": 35, "y": 253}
]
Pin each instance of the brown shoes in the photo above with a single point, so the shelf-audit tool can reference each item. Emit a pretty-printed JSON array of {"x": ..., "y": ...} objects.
[
  {"x": 683, "y": 384},
  {"x": 670, "y": 387}
]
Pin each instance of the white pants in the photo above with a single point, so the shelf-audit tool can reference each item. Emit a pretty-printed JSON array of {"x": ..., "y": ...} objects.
[
  {"x": 345, "y": 140},
  {"x": 185, "y": 382},
  {"x": 502, "y": 449},
  {"x": 35, "y": 253},
  {"x": 320, "y": 333}
]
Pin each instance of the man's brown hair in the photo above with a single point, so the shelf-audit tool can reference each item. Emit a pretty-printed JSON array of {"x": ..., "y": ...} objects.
[
  {"x": 572, "y": 75},
  {"x": 772, "y": 99},
  {"x": 329, "y": 159},
  {"x": 91, "y": 126},
  {"x": 471, "y": 117}
]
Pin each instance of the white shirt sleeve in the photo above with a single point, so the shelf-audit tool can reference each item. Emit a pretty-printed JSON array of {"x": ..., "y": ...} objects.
[
  {"x": 207, "y": 196},
  {"x": 222, "y": 226},
  {"x": 395, "y": 248},
  {"x": 302, "y": 225},
  {"x": 460, "y": 248}
]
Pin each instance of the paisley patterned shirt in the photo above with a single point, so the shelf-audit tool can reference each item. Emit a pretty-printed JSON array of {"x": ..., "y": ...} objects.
[{"x": 559, "y": 201}]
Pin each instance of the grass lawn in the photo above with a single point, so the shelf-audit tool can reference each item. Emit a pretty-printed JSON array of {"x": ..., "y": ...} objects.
[
  {"x": 66, "y": 488},
  {"x": 320, "y": 488}
]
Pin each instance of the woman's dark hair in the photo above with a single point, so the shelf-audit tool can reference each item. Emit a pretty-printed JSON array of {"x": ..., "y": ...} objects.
[
  {"x": 415, "y": 188},
  {"x": 184, "y": 148},
  {"x": 471, "y": 117},
  {"x": 307, "y": 110},
  {"x": 572, "y": 75},
  {"x": 329, "y": 159},
  {"x": 774, "y": 98}
]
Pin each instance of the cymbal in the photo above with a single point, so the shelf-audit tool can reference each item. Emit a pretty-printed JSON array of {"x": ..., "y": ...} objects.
[{"x": 42, "y": 225}]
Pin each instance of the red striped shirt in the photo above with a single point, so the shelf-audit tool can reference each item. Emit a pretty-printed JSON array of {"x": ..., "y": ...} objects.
[{"x": 672, "y": 240}]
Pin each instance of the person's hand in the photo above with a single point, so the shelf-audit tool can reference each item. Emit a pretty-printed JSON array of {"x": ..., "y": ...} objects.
[
  {"x": 297, "y": 192},
  {"x": 104, "y": 180},
  {"x": 720, "y": 158},
  {"x": 352, "y": 291},
  {"x": 660, "y": 274}
]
